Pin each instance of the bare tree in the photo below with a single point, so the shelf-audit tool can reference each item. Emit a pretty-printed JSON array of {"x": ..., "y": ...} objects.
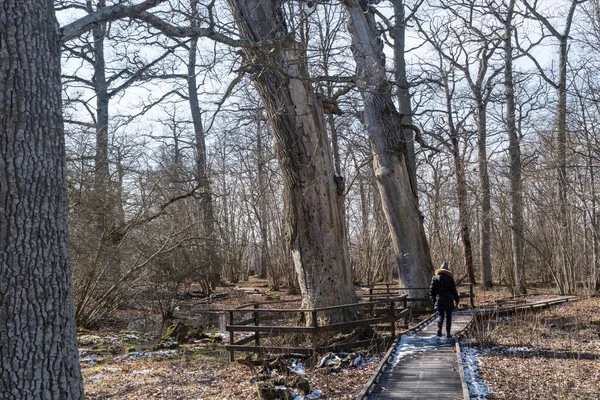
[
  {"x": 563, "y": 38},
  {"x": 514, "y": 150},
  {"x": 315, "y": 229},
  {"x": 391, "y": 154}
]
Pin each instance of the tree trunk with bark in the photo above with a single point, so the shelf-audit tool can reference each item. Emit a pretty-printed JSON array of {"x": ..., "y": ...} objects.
[
  {"x": 514, "y": 151},
  {"x": 313, "y": 219},
  {"x": 484, "y": 181},
  {"x": 405, "y": 108},
  {"x": 206, "y": 211},
  {"x": 461, "y": 186},
  {"x": 106, "y": 207},
  {"x": 262, "y": 206},
  {"x": 38, "y": 350},
  {"x": 567, "y": 279},
  {"x": 392, "y": 161}
]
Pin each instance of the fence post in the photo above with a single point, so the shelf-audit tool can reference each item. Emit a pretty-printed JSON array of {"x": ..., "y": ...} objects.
[
  {"x": 231, "y": 351},
  {"x": 255, "y": 316},
  {"x": 315, "y": 325},
  {"x": 393, "y": 314},
  {"x": 407, "y": 318},
  {"x": 472, "y": 296}
]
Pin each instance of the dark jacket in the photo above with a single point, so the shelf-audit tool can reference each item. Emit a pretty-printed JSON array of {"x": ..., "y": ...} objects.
[{"x": 443, "y": 290}]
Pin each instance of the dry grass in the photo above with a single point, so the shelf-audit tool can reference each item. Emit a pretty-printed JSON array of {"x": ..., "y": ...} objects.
[{"x": 554, "y": 354}]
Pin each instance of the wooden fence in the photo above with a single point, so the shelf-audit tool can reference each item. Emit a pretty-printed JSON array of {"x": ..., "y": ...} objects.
[
  {"x": 382, "y": 290},
  {"x": 249, "y": 320}
]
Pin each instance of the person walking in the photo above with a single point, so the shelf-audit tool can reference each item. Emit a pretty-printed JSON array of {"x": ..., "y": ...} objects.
[{"x": 443, "y": 295}]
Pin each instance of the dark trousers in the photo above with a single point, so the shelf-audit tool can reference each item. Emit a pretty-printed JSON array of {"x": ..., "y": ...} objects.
[{"x": 445, "y": 314}]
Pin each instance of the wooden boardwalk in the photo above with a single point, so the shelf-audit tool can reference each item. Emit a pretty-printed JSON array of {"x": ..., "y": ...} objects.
[{"x": 425, "y": 367}]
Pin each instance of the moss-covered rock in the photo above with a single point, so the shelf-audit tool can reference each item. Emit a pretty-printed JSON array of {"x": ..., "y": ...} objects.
[
  {"x": 176, "y": 332},
  {"x": 302, "y": 385},
  {"x": 267, "y": 391}
]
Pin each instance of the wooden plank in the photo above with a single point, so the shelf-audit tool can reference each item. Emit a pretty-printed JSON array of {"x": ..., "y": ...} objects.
[
  {"x": 244, "y": 340},
  {"x": 380, "y": 369},
  {"x": 270, "y": 329},
  {"x": 280, "y": 349}
]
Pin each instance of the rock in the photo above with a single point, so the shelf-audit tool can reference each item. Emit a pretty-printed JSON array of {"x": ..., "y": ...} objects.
[
  {"x": 266, "y": 391},
  {"x": 326, "y": 360},
  {"x": 302, "y": 385},
  {"x": 169, "y": 345},
  {"x": 176, "y": 331}
]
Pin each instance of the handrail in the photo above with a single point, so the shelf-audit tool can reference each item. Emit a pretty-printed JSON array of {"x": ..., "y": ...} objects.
[
  {"x": 373, "y": 315},
  {"x": 244, "y": 307}
]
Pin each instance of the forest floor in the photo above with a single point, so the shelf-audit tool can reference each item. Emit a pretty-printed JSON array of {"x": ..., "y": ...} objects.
[
  {"x": 553, "y": 354},
  {"x": 127, "y": 361}
]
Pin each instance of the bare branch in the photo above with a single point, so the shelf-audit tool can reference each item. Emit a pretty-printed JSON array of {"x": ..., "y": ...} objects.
[{"x": 112, "y": 13}]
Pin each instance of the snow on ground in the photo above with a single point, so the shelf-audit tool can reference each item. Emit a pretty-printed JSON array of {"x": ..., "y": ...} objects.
[
  {"x": 136, "y": 355},
  {"x": 477, "y": 387},
  {"x": 410, "y": 344}
]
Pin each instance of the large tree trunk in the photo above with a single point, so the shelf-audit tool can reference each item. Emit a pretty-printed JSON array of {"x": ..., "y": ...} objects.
[
  {"x": 405, "y": 108},
  {"x": 514, "y": 151},
  {"x": 391, "y": 159},
  {"x": 38, "y": 350},
  {"x": 212, "y": 274},
  {"x": 484, "y": 181},
  {"x": 313, "y": 220},
  {"x": 463, "y": 208},
  {"x": 262, "y": 206},
  {"x": 561, "y": 165}
]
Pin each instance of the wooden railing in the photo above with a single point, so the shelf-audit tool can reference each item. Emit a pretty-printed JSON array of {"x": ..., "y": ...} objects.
[
  {"x": 249, "y": 319},
  {"x": 382, "y": 290}
]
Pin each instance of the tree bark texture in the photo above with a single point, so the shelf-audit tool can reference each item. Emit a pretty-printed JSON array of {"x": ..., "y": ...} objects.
[
  {"x": 391, "y": 158},
  {"x": 207, "y": 215},
  {"x": 484, "y": 182},
  {"x": 405, "y": 108},
  {"x": 262, "y": 205},
  {"x": 313, "y": 223},
  {"x": 38, "y": 346},
  {"x": 568, "y": 283},
  {"x": 514, "y": 151}
]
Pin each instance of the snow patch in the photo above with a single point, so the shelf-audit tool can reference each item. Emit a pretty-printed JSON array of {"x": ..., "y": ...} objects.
[
  {"x": 315, "y": 394},
  {"x": 471, "y": 362},
  {"x": 142, "y": 372},
  {"x": 297, "y": 368},
  {"x": 414, "y": 344},
  {"x": 137, "y": 355}
]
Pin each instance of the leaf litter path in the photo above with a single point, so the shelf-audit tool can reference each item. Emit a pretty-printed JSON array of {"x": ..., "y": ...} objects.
[{"x": 424, "y": 366}]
